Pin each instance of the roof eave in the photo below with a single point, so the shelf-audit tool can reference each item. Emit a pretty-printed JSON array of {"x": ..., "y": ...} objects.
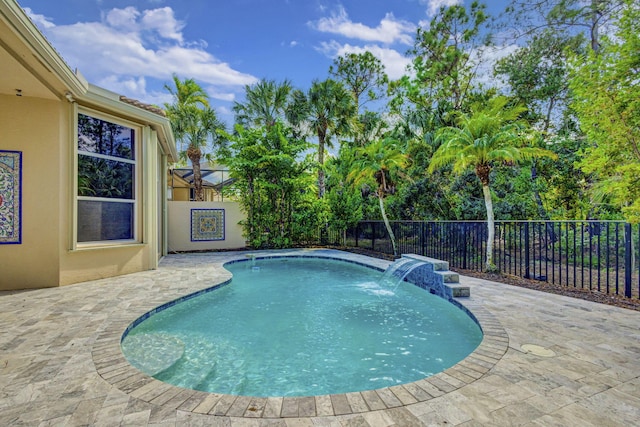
[{"x": 42, "y": 49}]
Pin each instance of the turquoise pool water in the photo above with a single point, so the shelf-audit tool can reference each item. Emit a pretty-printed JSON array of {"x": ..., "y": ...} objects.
[{"x": 299, "y": 327}]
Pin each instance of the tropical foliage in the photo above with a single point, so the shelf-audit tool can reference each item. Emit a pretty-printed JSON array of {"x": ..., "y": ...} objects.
[
  {"x": 327, "y": 110},
  {"x": 554, "y": 135},
  {"x": 606, "y": 92},
  {"x": 194, "y": 123},
  {"x": 490, "y": 135},
  {"x": 274, "y": 188},
  {"x": 379, "y": 161}
]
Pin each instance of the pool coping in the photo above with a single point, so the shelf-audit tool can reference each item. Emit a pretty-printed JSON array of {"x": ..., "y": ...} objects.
[{"x": 113, "y": 367}]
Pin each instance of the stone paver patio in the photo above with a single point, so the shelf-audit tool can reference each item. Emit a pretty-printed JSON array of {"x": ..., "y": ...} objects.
[{"x": 546, "y": 360}]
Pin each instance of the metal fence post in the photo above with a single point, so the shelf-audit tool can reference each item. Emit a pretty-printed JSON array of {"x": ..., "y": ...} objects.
[
  {"x": 628, "y": 255},
  {"x": 527, "y": 259},
  {"x": 373, "y": 236},
  {"x": 464, "y": 246}
]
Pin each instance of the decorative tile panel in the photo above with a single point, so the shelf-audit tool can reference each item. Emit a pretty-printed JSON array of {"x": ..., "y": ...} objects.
[
  {"x": 10, "y": 197},
  {"x": 207, "y": 225}
]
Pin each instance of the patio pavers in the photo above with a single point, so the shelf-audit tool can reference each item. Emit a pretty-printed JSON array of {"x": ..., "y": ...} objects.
[{"x": 60, "y": 362}]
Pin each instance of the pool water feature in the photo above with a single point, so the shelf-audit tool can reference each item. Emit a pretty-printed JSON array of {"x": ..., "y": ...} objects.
[
  {"x": 400, "y": 269},
  {"x": 299, "y": 327}
]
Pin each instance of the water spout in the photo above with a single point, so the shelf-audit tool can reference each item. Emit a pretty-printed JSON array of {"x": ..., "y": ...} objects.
[{"x": 398, "y": 271}]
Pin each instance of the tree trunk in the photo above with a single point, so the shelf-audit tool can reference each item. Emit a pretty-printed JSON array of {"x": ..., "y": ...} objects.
[
  {"x": 542, "y": 212},
  {"x": 490, "y": 228},
  {"x": 596, "y": 14},
  {"x": 322, "y": 134},
  {"x": 195, "y": 155},
  {"x": 388, "y": 225},
  {"x": 250, "y": 216}
]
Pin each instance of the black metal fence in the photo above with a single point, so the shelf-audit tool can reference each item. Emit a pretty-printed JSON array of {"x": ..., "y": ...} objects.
[{"x": 595, "y": 255}]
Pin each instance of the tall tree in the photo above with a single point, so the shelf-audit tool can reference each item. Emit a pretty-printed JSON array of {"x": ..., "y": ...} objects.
[
  {"x": 327, "y": 110},
  {"x": 362, "y": 74},
  {"x": 442, "y": 65},
  {"x": 193, "y": 123},
  {"x": 380, "y": 160},
  {"x": 538, "y": 77},
  {"x": 186, "y": 94},
  {"x": 607, "y": 102},
  {"x": 568, "y": 17},
  {"x": 492, "y": 133},
  {"x": 265, "y": 103}
]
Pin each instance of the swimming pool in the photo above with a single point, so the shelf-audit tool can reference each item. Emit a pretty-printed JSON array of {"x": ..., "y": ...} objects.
[{"x": 296, "y": 327}]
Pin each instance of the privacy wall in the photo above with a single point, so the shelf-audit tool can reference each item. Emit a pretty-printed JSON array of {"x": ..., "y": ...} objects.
[{"x": 195, "y": 226}]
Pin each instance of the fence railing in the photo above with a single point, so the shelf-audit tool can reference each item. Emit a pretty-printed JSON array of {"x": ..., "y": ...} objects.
[{"x": 595, "y": 255}]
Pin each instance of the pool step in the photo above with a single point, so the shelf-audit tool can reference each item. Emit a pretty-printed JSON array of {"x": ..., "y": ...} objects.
[{"x": 436, "y": 277}]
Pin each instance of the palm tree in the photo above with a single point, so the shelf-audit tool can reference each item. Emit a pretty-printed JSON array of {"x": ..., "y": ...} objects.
[
  {"x": 327, "y": 110},
  {"x": 490, "y": 134},
  {"x": 185, "y": 94},
  {"x": 265, "y": 103},
  {"x": 380, "y": 160},
  {"x": 193, "y": 123}
]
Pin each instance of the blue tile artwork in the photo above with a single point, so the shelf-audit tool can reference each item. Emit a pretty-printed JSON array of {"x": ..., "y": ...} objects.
[
  {"x": 10, "y": 197},
  {"x": 207, "y": 225}
]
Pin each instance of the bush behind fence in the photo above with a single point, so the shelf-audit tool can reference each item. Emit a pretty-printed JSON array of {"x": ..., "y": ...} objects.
[{"x": 595, "y": 255}]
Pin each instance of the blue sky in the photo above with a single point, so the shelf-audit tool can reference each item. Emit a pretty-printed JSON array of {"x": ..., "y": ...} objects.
[{"x": 132, "y": 47}]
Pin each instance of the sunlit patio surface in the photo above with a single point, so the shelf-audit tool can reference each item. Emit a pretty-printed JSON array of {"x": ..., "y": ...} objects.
[{"x": 546, "y": 360}]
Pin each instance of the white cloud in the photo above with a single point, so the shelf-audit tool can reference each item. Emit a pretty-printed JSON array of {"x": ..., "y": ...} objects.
[
  {"x": 127, "y": 48},
  {"x": 132, "y": 86},
  {"x": 40, "y": 20},
  {"x": 434, "y": 5},
  {"x": 164, "y": 22},
  {"x": 394, "y": 62},
  {"x": 122, "y": 19},
  {"x": 220, "y": 94},
  {"x": 389, "y": 30}
]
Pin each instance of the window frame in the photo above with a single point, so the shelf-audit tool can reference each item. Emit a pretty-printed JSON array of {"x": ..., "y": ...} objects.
[{"x": 136, "y": 162}]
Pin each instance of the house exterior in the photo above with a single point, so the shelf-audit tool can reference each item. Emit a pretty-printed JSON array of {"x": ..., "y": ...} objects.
[
  {"x": 215, "y": 180},
  {"x": 83, "y": 171}
]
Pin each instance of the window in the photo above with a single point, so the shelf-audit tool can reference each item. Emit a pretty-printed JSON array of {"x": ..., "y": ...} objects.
[{"x": 106, "y": 180}]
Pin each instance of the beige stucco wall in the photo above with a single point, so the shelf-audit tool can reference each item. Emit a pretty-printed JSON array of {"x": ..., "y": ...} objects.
[
  {"x": 39, "y": 98},
  {"x": 43, "y": 131},
  {"x": 180, "y": 226},
  {"x": 35, "y": 127},
  {"x": 180, "y": 194},
  {"x": 90, "y": 264}
]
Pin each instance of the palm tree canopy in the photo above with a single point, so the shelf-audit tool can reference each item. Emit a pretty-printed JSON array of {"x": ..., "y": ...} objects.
[
  {"x": 491, "y": 133},
  {"x": 378, "y": 160},
  {"x": 186, "y": 93},
  {"x": 265, "y": 103},
  {"x": 193, "y": 123},
  {"x": 327, "y": 109}
]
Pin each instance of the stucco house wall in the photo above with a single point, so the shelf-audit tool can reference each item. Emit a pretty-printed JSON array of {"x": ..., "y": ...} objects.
[
  {"x": 34, "y": 126},
  {"x": 40, "y": 102}
]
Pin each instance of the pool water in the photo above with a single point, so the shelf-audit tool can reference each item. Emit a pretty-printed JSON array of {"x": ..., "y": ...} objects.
[{"x": 300, "y": 327}]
